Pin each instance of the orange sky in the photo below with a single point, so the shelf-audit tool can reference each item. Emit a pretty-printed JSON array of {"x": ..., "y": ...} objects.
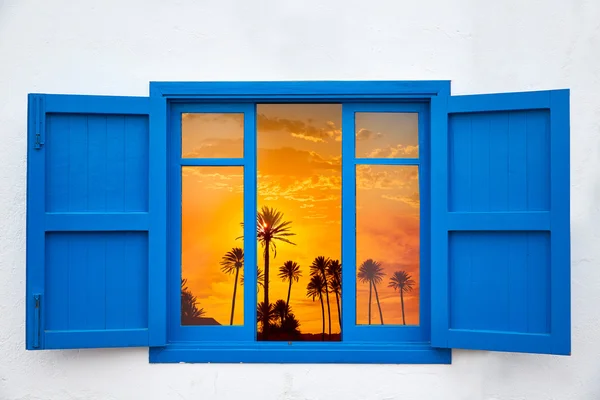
[{"x": 299, "y": 153}]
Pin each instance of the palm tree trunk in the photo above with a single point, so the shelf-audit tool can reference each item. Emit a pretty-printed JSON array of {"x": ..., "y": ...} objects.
[
  {"x": 287, "y": 302},
  {"x": 323, "y": 314},
  {"x": 327, "y": 296},
  {"x": 337, "y": 300},
  {"x": 237, "y": 272},
  {"x": 402, "y": 302},
  {"x": 378, "y": 304},
  {"x": 370, "y": 291},
  {"x": 266, "y": 295}
]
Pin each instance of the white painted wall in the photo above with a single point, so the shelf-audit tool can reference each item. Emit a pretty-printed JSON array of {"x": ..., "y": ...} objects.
[{"x": 117, "y": 46}]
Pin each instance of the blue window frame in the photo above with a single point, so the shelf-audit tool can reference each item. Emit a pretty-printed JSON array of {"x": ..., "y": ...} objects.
[{"x": 104, "y": 210}]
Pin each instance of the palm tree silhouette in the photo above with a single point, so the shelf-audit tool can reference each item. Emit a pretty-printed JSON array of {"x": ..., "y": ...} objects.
[
  {"x": 289, "y": 271},
  {"x": 232, "y": 262},
  {"x": 264, "y": 313},
  {"x": 189, "y": 306},
  {"x": 319, "y": 267},
  {"x": 270, "y": 229},
  {"x": 402, "y": 282},
  {"x": 370, "y": 271},
  {"x": 334, "y": 274},
  {"x": 281, "y": 310},
  {"x": 314, "y": 289}
]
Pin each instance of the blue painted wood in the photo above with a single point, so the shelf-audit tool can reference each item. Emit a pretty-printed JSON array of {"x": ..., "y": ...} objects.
[
  {"x": 250, "y": 210},
  {"x": 479, "y": 261},
  {"x": 299, "y": 352},
  {"x": 175, "y": 331},
  {"x": 79, "y": 176},
  {"x": 82, "y": 339},
  {"x": 500, "y": 102},
  {"x": 88, "y": 221},
  {"x": 500, "y": 225},
  {"x": 498, "y": 220},
  {"x": 158, "y": 235},
  {"x": 560, "y": 239},
  {"x": 83, "y": 221},
  {"x": 439, "y": 225},
  {"x": 385, "y": 333},
  {"x": 215, "y": 162},
  {"x": 228, "y": 91}
]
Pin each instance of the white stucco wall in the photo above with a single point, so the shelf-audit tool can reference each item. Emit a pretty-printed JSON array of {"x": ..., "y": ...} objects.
[{"x": 117, "y": 46}]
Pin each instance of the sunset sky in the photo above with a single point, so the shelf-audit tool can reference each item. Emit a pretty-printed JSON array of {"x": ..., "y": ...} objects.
[{"x": 299, "y": 165}]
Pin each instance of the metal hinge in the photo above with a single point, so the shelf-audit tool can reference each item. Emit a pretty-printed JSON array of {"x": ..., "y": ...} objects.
[
  {"x": 38, "y": 141},
  {"x": 37, "y": 323}
]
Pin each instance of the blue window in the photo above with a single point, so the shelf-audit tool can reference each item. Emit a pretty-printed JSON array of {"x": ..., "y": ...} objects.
[{"x": 313, "y": 222}]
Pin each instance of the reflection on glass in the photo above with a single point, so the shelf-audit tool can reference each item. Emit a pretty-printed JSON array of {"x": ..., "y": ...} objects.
[
  {"x": 387, "y": 245},
  {"x": 212, "y": 258},
  {"x": 299, "y": 216},
  {"x": 212, "y": 135},
  {"x": 387, "y": 135}
]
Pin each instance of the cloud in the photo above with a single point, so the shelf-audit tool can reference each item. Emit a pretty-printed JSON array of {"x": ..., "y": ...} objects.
[
  {"x": 413, "y": 200},
  {"x": 214, "y": 147},
  {"x": 365, "y": 134},
  {"x": 293, "y": 162},
  {"x": 315, "y": 216},
  {"x": 387, "y": 177},
  {"x": 300, "y": 129},
  {"x": 399, "y": 150}
]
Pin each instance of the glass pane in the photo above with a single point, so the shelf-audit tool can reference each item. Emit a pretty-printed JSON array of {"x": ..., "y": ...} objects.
[
  {"x": 387, "y": 245},
  {"x": 212, "y": 135},
  {"x": 299, "y": 200},
  {"x": 212, "y": 256},
  {"x": 387, "y": 135}
]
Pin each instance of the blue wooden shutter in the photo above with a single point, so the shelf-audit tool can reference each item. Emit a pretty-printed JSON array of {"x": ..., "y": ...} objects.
[
  {"x": 500, "y": 222},
  {"x": 95, "y": 223}
]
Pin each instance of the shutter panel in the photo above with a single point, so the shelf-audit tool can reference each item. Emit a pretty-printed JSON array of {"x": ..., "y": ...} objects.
[
  {"x": 501, "y": 223},
  {"x": 95, "y": 236}
]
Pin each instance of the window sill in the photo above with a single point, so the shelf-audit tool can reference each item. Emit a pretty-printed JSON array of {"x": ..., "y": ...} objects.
[{"x": 303, "y": 353}]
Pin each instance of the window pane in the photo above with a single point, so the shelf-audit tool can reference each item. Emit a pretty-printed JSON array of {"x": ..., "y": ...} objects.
[
  {"x": 387, "y": 135},
  {"x": 299, "y": 176},
  {"x": 212, "y": 135},
  {"x": 387, "y": 245},
  {"x": 212, "y": 209}
]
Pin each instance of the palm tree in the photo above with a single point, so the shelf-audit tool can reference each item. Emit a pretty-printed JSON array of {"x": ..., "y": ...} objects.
[
  {"x": 319, "y": 267},
  {"x": 232, "y": 262},
  {"x": 281, "y": 310},
  {"x": 264, "y": 313},
  {"x": 315, "y": 289},
  {"x": 370, "y": 271},
  {"x": 289, "y": 271},
  {"x": 291, "y": 326},
  {"x": 270, "y": 229},
  {"x": 189, "y": 307},
  {"x": 402, "y": 282},
  {"x": 334, "y": 273}
]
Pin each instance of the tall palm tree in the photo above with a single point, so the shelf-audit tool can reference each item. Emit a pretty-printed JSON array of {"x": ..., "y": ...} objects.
[
  {"x": 314, "y": 289},
  {"x": 334, "y": 274},
  {"x": 319, "y": 267},
  {"x": 402, "y": 282},
  {"x": 289, "y": 271},
  {"x": 189, "y": 305},
  {"x": 231, "y": 263},
  {"x": 370, "y": 271},
  {"x": 271, "y": 228}
]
